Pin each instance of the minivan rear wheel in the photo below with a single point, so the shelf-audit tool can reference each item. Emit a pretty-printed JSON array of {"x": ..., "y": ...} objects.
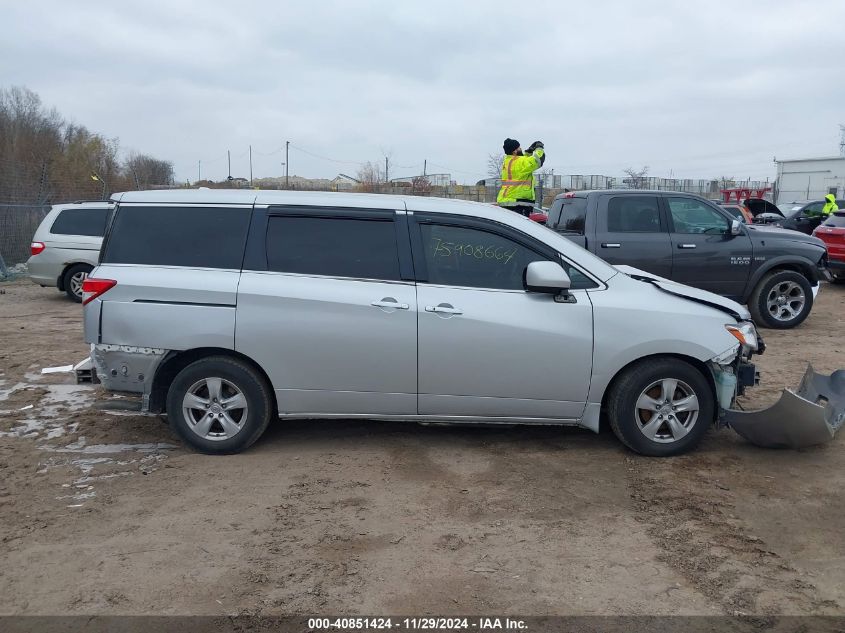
[
  {"x": 73, "y": 279},
  {"x": 219, "y": 405},
  {"x": 661, "y": 407}
]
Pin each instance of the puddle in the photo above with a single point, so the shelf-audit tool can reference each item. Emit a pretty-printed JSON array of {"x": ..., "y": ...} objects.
[{"x": 80, "y": 447}]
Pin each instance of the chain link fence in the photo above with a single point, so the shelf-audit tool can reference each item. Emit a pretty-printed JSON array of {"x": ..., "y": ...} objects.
[{"x": 18, "y": 223}]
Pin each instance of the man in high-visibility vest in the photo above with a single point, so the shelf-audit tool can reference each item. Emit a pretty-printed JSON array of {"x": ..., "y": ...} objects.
[
  {"x": 518, "y": 167},
  {"x": 830, "y": 206}
]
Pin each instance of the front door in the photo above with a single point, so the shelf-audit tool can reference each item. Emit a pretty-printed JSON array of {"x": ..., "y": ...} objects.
[
  {"x": 631, "y": 230},
  {"x": 331, "y": 317},
  {"x": 705, "y": 254},
  {"x": 487, "y": 348}
]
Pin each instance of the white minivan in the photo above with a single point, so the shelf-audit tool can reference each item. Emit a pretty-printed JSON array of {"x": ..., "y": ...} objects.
[{"x": 228, "y": 309}]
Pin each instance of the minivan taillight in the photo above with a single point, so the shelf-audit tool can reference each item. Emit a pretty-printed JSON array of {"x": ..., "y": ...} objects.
[
  {"x": 93, "y": 288},
  {"x": 36, "y": 247}
]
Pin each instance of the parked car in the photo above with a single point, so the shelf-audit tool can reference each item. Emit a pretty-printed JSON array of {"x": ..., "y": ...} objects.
[
  {"x": 738, "y": 211},
  {"x": 805, "y": 216},
  {"x": 226, "y": 309},
  {"x": 66, "y": 245},
  {"x": 693, "y": 241},
  {"x": 832, "y": 233}
]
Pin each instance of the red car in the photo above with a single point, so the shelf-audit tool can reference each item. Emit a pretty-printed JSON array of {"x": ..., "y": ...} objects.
[{"x": 832, "y": 233}]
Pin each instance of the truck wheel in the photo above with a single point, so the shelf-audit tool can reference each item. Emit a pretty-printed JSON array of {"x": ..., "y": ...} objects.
[
  {"x": 782, "y": 300},
  {"x": 73, "y": 278},
  {"x": 661, "y": 407},
  {"x": 219, "y": 405}
]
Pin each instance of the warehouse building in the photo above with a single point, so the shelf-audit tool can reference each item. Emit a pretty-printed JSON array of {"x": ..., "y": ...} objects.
[{"x": 810, "y": 179}]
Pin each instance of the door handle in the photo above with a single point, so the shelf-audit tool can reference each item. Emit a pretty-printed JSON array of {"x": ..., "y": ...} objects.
[
  {"x": 611, "y": 245},
  {"x": 443, "y": 308},
  {"x": 686, "y": 245},
  {"x": 390, "y": 302}
]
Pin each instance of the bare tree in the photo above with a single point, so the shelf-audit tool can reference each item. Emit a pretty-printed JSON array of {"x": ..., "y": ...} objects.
[
  {"x": 494, "y": 165},
  {"x": 636, "y": 177},
  {"x": 146, "y": 171},
  {"x": 420, "y": 186},
  {"x": 370, "y": 176}
]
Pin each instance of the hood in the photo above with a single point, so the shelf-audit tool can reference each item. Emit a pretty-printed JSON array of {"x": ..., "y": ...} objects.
[
  {"x": 774, "y": 232},
  {"x": 758, "y": 206},
  {"x": 736, "y": 310},
  {"x": 830, "y": 198}
]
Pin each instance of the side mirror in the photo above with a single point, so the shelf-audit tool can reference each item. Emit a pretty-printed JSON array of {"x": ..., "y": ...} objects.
[
  {"x": 736, "y": 227},
  {"x": 546, "y": 277}
]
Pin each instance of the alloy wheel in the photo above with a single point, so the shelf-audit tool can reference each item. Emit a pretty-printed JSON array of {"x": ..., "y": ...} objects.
[
  {"x": 215, "y": 409},
  {"x": 666, "y": 410},
  {"x": 785, "y": 300}
]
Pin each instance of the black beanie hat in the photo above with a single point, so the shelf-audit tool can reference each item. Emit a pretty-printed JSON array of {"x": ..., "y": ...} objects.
[{"x": 510, "y": 146}]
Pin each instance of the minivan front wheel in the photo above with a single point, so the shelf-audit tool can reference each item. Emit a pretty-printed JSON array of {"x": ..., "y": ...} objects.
[
  {"x": 781, "y": 300},
  {"x": 219, "y": 405},
  {"x": 73, "y": 279},
  {"x": 661, "y": 407}
]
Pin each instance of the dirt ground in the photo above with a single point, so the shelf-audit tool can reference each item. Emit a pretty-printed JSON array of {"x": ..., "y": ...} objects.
[{"x": 106, "y": 513}]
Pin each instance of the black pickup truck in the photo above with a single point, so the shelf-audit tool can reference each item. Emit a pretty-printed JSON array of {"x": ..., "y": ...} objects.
[{"x": 693, "y": 241}]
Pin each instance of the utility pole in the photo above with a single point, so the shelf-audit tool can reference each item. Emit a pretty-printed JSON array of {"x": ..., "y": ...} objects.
[
  {"x": 841, "y": 140},
  {"x": 287, "y": 164},
  {"x": 199, "y": 170},
  {"x": 250, "y": 165},
  {"x": 425, "y": 164},
  {"x": 229, "y": 156},
  {"x": 386, "y": 170}
]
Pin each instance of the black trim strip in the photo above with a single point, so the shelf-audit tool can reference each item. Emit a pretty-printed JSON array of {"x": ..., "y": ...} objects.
[{"x": 187, "y": 303}]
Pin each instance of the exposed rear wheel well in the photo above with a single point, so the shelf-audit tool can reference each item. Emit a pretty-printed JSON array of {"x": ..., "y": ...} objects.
[
  {"x": 177, "y": 361},
  {"x": 699, "y": 365}
]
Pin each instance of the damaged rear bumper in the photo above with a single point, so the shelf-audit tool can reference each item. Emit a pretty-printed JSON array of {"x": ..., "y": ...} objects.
[{"x": 805, "y": 417}]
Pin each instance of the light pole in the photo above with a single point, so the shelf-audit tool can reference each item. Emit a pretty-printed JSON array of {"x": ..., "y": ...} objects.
[{"x": 96, "y": 177}]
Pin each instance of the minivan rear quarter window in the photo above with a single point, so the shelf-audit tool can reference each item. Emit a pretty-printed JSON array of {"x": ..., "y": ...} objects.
[
  {"x": 83, "y": 221},
  {"x": 333, "y": 247},
  {"x": 198, "y": 237}
]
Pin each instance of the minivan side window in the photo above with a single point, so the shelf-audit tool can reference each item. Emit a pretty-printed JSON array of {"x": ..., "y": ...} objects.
[
  {"x": 633, "y": 214},
  {"x": 474, "y": 258},
  {"x": 83, "y": 221},
  {"x": 199, "y": 237},
  {"x": 691, "y": 216},
  {"x": 333, "y": 246}
]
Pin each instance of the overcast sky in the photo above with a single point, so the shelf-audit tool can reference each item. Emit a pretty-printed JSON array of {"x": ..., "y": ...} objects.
[{"x": 692, "y": 89}]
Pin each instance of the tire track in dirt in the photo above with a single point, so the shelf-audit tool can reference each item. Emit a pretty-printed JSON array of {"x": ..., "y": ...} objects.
[{"x": 693, "y": 521}]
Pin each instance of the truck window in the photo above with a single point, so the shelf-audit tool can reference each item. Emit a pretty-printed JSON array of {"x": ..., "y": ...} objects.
[
  {"x": 633, "y": 214},
  {"x": 573, "y": 213},
  {"x": 691, "y": 216}
]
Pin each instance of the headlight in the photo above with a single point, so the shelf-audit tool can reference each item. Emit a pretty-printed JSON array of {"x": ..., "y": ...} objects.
[{"x": 745, "y": 333}]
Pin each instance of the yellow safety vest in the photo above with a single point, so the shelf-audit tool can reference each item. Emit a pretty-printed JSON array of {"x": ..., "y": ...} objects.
[
  {"x": 518, "y": 179},
  {"x": 830, "y": 206}
]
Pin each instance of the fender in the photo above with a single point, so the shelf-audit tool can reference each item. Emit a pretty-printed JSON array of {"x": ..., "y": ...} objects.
[{"x": 805, "y": 265}]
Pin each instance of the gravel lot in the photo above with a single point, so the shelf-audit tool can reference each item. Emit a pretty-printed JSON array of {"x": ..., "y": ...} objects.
[{"x": 106, "y": 513}]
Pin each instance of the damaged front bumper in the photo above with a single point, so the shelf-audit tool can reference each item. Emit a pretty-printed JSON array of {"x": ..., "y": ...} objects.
[{"x": 805, "y": 417}]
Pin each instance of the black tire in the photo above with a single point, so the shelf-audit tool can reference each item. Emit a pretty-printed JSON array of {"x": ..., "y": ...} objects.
[
  {"x": 235, "y": 376},
  {"x": 632, "y": 424},
  {"x": 769, "y": 290},
  {"x": 74, "y": 274}
]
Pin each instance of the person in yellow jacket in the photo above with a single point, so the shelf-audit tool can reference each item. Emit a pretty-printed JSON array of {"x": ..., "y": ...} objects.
[
  {"x": 518, "y": 167},
  {"x": 830, "y": 206}
]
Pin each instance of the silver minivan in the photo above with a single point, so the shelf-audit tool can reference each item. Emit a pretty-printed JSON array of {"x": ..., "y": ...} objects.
[
  {"x": 67, "y": 244},
  {"x": 227, "y": 309}
]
